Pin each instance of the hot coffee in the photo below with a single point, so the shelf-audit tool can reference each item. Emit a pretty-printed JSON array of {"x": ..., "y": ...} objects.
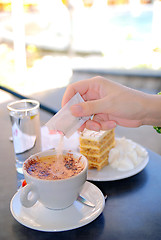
[
  {"x": 54, "y": 168},
  {"x": 52, "y": 179}
]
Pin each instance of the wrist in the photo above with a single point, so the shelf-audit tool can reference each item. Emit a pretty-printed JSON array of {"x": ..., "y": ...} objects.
[{"x": 152, "y": 108}]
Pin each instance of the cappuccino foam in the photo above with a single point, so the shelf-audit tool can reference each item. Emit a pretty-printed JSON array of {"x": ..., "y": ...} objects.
[{"x": 50, "y": 168}]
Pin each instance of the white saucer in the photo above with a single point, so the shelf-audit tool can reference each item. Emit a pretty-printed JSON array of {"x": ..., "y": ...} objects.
[
  {"x": 110, "y": 174},
  {"x": 40, "y": 218}
]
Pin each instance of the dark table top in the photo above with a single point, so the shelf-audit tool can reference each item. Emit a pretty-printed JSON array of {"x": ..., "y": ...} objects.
[{"x": 132, "y": 210}]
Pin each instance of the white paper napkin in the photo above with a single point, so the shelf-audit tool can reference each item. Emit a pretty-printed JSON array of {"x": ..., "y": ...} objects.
[
  {"x": 22, "y": 141},
  {"x": 50, "y": 140}
]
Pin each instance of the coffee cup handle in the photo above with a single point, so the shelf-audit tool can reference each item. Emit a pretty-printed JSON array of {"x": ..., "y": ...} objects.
[{"x": 27, "y": 201}]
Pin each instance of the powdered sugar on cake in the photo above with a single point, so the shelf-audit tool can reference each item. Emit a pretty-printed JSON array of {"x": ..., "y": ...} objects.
[{"x": 93, "y": 135}]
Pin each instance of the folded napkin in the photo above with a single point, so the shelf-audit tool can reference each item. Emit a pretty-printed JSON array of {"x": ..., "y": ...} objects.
[
  {"x": 50, "y": 140},
  {"x": 22, "y": 141}
]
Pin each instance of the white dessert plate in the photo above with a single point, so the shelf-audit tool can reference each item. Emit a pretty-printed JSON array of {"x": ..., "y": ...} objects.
[
  {"x": 107, "y": 173},
  {"x": 40, "y": 218},
  {"x": 111, "y": 174}
]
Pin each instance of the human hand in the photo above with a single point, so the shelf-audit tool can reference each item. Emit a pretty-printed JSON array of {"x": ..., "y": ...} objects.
[{"x": 111, "y": 103}]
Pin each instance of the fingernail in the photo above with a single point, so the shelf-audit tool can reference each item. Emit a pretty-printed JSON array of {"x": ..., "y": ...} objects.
[
  {"x": 112, "y": 124},
  {"x": 76, "y": 109},
  {"x": 95, "y": 128}
]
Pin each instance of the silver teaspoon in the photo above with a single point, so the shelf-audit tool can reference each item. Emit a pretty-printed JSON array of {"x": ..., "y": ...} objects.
[{"x": 85, "y": 201}]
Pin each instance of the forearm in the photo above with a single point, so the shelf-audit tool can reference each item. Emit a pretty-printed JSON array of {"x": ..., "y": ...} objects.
[{"x": 152, "y": 106}]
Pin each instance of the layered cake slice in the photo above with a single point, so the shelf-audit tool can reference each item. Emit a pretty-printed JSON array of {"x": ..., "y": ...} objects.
[{"x": 95, "y": 146}]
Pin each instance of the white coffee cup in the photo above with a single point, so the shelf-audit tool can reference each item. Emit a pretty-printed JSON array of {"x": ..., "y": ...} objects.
[{"x": 53, "y": 194}]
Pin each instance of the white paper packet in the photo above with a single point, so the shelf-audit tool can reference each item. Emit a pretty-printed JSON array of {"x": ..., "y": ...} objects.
[{"x": 64, "y": 121}]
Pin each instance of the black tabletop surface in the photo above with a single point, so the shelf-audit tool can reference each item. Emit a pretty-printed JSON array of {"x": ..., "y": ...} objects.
[{"x": 132, "y": 210}]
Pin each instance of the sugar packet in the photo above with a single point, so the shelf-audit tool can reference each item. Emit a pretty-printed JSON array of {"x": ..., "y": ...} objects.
[{"x": 63, "y": 121}]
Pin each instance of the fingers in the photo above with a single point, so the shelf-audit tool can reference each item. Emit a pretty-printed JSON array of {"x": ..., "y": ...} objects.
[
  {"x": 89, "y": 89},
  {"x": 97, "y": 126},
  {"x": 81, "y": 87},
  {"x": 105, "y": 122},
  {"x": 92, "y": 125},
  {"x": 88, "y": 108},
  {"x": 108, "y": 125}
]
